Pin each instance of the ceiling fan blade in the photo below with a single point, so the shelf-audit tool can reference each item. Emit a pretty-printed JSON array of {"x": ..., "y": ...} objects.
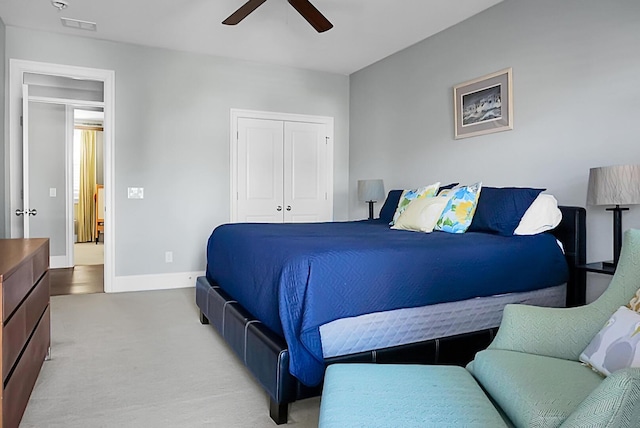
[
  {"x": 312, "y": 15},
  {"x": 243, "y": 12}
]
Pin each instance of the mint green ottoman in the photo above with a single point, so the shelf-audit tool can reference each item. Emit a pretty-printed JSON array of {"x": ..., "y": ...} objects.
[{"x": 391, "y": 395}]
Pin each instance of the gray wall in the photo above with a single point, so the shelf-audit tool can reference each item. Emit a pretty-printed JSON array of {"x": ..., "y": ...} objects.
[
  {"x": 2, "y": 150},
  {"x": 576, "y": 105},
  {"x": 172, "y": 136}
]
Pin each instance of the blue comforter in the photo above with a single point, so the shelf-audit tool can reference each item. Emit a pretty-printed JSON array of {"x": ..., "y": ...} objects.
[{"x": 296, "y": 277}]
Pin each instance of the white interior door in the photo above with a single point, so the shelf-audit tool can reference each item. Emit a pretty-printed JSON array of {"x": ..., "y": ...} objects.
[
  {"x": 45, "y": 193},
  {"x": 306, "y": 173},
  {"x": 260, "y": 171}
]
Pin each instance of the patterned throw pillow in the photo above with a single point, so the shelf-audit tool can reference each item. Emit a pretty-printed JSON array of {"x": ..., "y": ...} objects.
[
  {"x": 634, "y": 304},
  {"x": 616, "y": 346},
  {"x": 457, "y": 215},
  {"x": 410, "y": 195},
  {"x": 422, "y": 214}
]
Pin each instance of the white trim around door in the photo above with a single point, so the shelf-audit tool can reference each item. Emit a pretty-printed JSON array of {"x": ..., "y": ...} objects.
[{"x": 13, "y": 152}]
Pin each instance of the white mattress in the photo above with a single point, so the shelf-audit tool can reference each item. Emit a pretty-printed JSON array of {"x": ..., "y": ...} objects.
[{"x": 399, "y": 327}]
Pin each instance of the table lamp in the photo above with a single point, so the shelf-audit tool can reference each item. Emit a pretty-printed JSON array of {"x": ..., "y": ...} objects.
[
  {"x": 614, "y": 185},
  {"x": 370, "y": 191}
]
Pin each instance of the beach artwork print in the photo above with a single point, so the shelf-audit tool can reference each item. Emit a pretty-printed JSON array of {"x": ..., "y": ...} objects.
[{"x": 483, "y": 105}]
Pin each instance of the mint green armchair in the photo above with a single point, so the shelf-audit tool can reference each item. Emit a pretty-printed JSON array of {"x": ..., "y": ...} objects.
[{"x": 532, "y": 372}]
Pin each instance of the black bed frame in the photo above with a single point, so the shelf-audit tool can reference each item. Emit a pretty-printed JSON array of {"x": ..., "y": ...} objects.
[{"x": 266, "y": 356}]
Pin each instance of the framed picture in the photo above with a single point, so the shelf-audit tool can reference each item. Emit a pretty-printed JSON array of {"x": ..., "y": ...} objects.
[{"x": 483, "y": 105}]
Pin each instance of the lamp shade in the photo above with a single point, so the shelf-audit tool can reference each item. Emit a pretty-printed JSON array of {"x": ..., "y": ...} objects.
[
  {"x": 614, "y": 185},
  {"x": 370, "y": 190}
]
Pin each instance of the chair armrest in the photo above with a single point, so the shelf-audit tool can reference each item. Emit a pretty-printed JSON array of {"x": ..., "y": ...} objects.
[
  {"x": 613, "y": 404},
  {"x": 553, "y": 332}
]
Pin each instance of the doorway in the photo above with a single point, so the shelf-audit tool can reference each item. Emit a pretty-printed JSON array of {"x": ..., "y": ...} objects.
[
  {"x": 87, "y": 273},
  {"x": 20, "y": 191}
]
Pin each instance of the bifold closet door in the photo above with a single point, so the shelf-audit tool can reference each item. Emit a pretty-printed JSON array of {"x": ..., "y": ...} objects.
[
  {"x": 260, "y": 170},
  {"x": 306, "y": 172},
  {"x": 282, "y": 172}
]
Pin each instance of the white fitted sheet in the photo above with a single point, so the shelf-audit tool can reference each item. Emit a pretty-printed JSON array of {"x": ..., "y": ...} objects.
[{"x": 402, "y": 326}]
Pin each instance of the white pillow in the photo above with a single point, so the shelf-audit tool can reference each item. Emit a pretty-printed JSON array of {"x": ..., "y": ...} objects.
[
  {"x": 617, "y": 345},
  {"x": 543, "y": 214},
  {"x": 421, "y": 215}
]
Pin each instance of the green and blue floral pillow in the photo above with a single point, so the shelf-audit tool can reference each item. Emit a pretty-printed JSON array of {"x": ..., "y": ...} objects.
[
  {"x": 411, "y": 194},
  {"x": 458, "y": 214}
]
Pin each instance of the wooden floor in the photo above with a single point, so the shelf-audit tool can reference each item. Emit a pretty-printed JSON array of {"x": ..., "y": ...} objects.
[{"x": 77, "y": 280}]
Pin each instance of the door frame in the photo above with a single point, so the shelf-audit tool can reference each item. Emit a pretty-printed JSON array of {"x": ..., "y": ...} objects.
[
  {"x": 236, "y": 114},
  {"x": 13, "y": 170}
]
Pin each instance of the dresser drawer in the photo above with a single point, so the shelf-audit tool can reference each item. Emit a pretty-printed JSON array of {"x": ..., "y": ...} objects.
[
  {"x": 21, "y": 382},
  {"x": 18, "y": 328},
  {"x": 17, "y": 286}
]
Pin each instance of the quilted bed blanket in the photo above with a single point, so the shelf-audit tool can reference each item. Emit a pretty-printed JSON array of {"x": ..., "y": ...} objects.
[{"x": 296, "y": 277}]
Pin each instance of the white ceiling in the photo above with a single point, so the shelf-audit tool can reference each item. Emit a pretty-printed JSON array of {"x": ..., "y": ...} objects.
[{"x": 364, "y": 31}]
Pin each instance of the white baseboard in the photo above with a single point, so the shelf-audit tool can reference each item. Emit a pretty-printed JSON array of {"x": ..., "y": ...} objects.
[
  {"x": 164, "y": 281},
  {"x": 57, "y": 262}
]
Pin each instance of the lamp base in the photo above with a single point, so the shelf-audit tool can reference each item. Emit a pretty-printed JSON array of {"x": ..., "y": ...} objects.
[
  {"x": 371, "y": 209},
  {"x": 617, "y": 233}
]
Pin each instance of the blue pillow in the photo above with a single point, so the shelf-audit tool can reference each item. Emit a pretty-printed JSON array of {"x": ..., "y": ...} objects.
[
  {"x": 500, "y": 210},
  {"x": 447, "y": 187},
  {"x": 390, "y": 204}
]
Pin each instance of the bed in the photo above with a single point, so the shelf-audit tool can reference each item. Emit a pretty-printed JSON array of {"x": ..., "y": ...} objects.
[{"x": 287, "y": 298}]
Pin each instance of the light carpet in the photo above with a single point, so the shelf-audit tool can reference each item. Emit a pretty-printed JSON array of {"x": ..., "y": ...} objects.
[
  {"x": 88, "y": 253},
  {"x": 144, "y": 360}
]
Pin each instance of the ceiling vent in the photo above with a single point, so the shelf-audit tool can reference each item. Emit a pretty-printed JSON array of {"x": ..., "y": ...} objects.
[{"x": 79, "y": 24}]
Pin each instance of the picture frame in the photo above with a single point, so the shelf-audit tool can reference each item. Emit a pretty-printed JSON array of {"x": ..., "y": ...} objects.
[{"x": 483, "y": 105}]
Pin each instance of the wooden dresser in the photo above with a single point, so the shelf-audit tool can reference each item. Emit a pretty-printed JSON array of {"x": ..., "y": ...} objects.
[{"x": 25, "y": 334}]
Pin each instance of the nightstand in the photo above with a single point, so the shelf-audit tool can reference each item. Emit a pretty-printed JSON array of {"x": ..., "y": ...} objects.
[
  {"x": 597, "y": 267},
  {"x": 581, "y": 274}
]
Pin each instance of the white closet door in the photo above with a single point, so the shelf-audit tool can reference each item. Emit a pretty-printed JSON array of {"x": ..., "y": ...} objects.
[
  {"x": 306, "y": 170},
  {"x": 260, "y": 170}
]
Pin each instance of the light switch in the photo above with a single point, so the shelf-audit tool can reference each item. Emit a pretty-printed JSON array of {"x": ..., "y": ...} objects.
[
  {"x": 52, "y": 192},
  {"x": 135, "y": 192}
]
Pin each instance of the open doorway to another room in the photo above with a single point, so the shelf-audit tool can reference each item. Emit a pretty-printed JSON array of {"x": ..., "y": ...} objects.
[
  {"x": 88, "y": 201},
  {"x": 87, "y": 274},
  {"x": 44, "y": 96}
]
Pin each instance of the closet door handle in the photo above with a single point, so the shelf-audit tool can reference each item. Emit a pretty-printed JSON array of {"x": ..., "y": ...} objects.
[
  {"x": 288, "y": 207},
  {"x": 279, "y": 208}
]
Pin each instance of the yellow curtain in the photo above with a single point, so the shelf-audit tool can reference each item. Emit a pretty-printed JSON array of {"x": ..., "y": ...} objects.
[{"x": 86, "y": 203}]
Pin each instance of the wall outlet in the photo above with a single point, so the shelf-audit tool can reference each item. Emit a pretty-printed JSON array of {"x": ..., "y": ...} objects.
[
  {"x": 52, "y": 192},
  {"x": 168, "y": 257}
]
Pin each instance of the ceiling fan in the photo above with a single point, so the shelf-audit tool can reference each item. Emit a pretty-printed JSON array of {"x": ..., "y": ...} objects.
[{"x": 304, "y": 8}]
